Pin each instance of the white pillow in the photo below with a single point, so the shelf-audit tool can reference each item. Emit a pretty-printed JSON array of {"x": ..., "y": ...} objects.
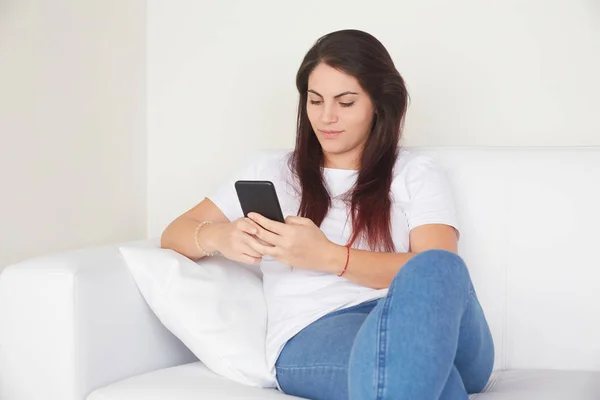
[{"x": 215, "y": 306}]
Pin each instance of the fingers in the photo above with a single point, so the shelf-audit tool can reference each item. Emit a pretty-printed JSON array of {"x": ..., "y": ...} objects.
[
  {"x": 249, "y": 250},
  {"x": 268, "y": 224},
  {"x": 297, "y": 220},
  {"x": 266, "y": 237},
  {"x": 263, "y": 249},
  {"x": 246, "y": 245},
  {"x": 262, "y": 241},
  {"x": 247, "y": 254},
  {"x": 239, "y": 249},
  {"x": 246, "y": 225},
  {"x": 249, "y": 230}
]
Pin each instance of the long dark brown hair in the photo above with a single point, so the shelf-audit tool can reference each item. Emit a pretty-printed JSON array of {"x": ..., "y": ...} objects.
[{"x": 362, "y": 56}]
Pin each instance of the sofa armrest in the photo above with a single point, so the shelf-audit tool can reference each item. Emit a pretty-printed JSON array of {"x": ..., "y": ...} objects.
[{"x": 76, "y": 321}]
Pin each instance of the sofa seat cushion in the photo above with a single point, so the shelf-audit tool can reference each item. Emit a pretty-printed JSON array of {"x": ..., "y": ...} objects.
[
  {"x": 541, "y": 385},
  {"x": 184, "y": 382},
  {"x": 194, "y": 381}
]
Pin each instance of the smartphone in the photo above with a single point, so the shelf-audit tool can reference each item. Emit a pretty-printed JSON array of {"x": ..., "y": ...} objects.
[{"x": 259, "y": 197}]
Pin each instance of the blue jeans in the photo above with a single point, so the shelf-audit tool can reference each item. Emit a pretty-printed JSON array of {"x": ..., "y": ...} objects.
[{"x": 428, "y": 339}]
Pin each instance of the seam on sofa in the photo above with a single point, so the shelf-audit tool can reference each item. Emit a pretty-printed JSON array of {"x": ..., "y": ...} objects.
[
  {"x": 489, "y": 385},
  {"x": 506, "y": 278},
  {"x": 491, "y": 382}
]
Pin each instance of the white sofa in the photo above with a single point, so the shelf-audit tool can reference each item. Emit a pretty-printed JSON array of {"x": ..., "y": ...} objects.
[{"x": 73, "y": 326}]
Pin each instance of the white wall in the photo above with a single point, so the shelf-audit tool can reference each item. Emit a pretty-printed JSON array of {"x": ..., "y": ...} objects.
[
  {"x": 72, "y": 125},
  {"x": 221, "y": 78}
]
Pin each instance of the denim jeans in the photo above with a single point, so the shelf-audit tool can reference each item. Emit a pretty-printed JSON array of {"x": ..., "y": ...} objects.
[{"x": 427, "y": 339}]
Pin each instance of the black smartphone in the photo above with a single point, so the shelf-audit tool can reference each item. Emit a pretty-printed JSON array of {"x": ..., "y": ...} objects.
[{"x": 259, "y": 197}]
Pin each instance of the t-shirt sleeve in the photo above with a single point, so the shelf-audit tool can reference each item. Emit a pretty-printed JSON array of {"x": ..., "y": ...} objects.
[
  {"x": 430, "y": 196},
  {"x": 225, "y": 196}
]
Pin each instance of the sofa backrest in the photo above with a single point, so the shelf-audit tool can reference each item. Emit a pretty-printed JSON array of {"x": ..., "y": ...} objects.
[{"x": 531, "y": 237}]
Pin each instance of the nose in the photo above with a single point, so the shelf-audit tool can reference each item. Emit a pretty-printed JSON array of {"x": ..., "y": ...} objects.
[{"x": 329, "y": 114}]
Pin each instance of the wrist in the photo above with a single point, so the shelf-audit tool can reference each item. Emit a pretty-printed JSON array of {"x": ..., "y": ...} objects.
[
  {"x": 336, "y": 258},
  {"x": 208, "y": 237}
]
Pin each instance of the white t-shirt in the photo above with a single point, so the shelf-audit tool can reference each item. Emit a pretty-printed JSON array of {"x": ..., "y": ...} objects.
[{"x": 420, "y": 195}]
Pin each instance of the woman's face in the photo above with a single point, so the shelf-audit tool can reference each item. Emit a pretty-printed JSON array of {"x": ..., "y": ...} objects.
[{"x": 341, "y": 115}]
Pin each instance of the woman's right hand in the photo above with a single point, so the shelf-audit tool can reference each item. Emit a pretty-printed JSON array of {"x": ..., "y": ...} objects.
[{"x": 232, "y": 239}]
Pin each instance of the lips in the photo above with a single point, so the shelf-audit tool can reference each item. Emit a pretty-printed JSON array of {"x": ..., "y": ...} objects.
[{"x": 329, "y": 134}]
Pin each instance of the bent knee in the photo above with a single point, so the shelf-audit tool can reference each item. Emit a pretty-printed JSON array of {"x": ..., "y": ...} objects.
[{"x": 435, "y": 262}]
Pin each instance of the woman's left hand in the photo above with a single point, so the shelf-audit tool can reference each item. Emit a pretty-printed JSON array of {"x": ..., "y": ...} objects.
[{"x": 298, "y": 243}]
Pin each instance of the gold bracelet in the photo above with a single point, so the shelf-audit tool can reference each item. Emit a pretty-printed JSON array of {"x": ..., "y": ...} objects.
[{"x": 204, "y": 252}]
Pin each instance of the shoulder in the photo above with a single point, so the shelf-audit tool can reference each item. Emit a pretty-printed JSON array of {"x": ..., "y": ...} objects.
[
  {"x": 413, "y": 171},
  {"x": 409, "y": 164}
]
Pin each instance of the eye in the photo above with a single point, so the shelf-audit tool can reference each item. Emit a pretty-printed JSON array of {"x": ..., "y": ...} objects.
[
  {"x": 315, "y": 102},
  {"x": 347, "y": 104}
]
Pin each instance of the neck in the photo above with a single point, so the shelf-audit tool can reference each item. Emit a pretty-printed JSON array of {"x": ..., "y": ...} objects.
[{"x": 349, "y": 161}]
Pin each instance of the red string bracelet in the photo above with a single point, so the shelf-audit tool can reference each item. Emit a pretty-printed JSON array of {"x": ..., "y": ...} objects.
[{"x": 347, "y": 259}]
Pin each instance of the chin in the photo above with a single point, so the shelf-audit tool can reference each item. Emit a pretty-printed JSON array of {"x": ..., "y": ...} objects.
[{"x": 333, "y": 148}]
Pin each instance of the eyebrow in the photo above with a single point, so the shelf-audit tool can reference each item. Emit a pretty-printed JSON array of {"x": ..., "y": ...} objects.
[{"x": 335, "y": 97}]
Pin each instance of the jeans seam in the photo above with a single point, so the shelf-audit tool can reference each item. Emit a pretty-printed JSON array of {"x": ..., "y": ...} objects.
[
  {"x": 467, "y": 321},
  {"x": 382, "y": 344}
]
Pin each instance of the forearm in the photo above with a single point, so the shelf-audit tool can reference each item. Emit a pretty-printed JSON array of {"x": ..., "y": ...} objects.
[
  {"x": 180, "y": 236},
  {"x": 367, "y": 268}
]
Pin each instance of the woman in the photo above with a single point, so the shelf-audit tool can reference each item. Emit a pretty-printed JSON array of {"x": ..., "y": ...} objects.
[{"x": 366, "y": 296}]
